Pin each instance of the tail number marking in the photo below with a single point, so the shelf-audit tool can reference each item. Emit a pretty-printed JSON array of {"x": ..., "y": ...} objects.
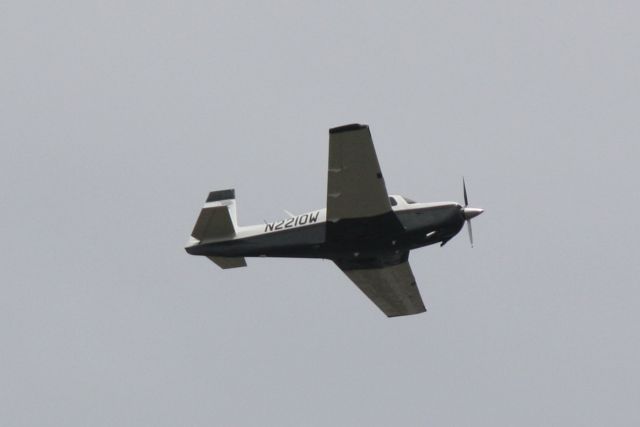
[{"x": 305, "y": 219}]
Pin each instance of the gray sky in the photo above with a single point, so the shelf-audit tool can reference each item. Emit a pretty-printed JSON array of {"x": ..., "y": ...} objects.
[{"x": 119, "y": 117}]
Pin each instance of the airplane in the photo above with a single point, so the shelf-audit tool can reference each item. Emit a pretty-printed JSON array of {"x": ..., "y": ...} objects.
[{"x": 366, "y": 232}]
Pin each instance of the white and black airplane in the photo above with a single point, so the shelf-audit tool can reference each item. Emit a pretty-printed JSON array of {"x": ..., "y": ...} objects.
[{"x": 364, "y": 231}]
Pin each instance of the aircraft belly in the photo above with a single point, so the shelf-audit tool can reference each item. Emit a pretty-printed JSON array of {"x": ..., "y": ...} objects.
[
  {"x": 344, "y": 239},
  {"x": 303, "y": 242}
]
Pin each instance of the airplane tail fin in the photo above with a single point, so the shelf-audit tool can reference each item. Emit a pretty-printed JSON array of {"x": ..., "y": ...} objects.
[{"x": 218, "y": 221}]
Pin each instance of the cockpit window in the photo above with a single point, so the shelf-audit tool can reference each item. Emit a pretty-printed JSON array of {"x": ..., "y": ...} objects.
[
  {"x": 392, "y": 201},
  {"x": 408, "y": 200}
]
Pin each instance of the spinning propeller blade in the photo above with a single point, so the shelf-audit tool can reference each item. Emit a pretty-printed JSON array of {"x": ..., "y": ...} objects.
[
  {"x": 464, "y": 190},
  {"x": 468, "y": 212}
]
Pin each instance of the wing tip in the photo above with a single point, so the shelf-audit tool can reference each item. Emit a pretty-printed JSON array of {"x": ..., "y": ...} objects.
[
  {"x": 407, "y": 313},
  {"x": 348, "y": 128}
]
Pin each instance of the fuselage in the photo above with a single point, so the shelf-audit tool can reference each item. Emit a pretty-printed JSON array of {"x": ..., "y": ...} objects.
[{"x": 310, "y": 235}]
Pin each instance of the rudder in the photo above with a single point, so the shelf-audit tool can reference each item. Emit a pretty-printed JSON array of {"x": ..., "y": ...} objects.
[{"x": 217, "y": 219}]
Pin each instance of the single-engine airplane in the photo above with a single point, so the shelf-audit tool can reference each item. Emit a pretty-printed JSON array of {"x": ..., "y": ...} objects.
[{"x": 364, "y": 231}]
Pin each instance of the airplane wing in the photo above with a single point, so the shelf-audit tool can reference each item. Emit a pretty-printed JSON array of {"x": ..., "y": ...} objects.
[
  {"x": 355, "y": 186},
  {"x": 392, "y": 288}
]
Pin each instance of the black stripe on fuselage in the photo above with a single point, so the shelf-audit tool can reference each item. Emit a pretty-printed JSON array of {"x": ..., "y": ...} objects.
[
  {"x": 363, "y": 230},
  {"x": 368, "y": 237},
  {"x": 363, "y": 262}
]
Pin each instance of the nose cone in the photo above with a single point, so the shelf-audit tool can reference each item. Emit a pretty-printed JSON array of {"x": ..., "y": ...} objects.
[{"x": 471, "y": 212}]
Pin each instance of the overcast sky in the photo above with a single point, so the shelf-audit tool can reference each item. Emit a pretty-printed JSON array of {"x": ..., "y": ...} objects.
[{"x": 119, "y": 117}]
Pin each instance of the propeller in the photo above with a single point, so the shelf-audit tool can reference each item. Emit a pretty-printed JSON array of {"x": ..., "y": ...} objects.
[{"x": 468, "y": 212}]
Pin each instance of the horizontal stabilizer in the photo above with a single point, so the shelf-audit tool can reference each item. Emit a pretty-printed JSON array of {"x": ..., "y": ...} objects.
[{"x": 228, "y": 262}]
